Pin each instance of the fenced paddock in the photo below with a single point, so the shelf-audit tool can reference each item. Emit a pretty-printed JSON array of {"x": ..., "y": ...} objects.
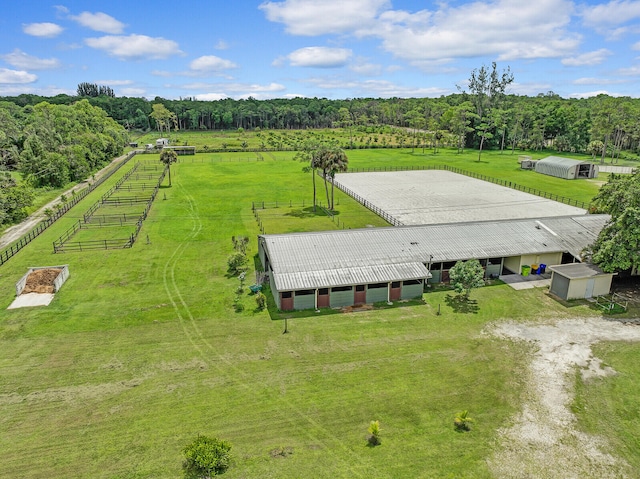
[
  {"x": 120, "y": 215},
  {"x": 436, "y": 196}
]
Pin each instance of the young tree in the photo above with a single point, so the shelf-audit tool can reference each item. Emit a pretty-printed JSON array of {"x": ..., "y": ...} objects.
[
  {"x": 168, "y": 157},
  {"x": 206, "y": 457},
  {"x": 487, "y": 92},
  {"x": 466, "y": 275}
]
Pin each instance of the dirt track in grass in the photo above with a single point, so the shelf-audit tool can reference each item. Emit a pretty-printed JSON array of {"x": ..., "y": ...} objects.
[{"x": 542, "y": 440}]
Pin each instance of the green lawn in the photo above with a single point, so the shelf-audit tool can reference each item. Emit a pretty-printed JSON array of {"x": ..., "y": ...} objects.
[{"x": 141, "y": 350}]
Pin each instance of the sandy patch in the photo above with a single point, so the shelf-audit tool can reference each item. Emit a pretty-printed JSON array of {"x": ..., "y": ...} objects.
[{"x": 542, "y": 441}]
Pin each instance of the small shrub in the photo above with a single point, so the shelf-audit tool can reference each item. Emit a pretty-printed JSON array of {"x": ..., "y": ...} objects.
[
  {"x": 261, "y": 300},
  {"x": 206, "y": 457},
  {"x": 462, "y": 421},
  {"x": 237, "y": 263},
  {"x": 374, "y": 433},
  {"x": 237, "y": 304}
]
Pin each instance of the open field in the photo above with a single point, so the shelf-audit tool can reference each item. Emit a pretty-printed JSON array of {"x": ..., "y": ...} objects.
[{"x": 141, "y": 350}]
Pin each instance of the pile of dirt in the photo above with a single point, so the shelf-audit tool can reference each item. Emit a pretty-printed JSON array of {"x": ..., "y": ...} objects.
[{"x": 41, "y": 281}]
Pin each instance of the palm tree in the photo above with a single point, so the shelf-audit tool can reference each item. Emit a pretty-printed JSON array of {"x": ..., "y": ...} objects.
[
  {"x": 335, "y": 161},
  {"x": 168, "y": 156}
]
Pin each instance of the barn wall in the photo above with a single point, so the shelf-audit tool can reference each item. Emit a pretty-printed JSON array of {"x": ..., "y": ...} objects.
[
  {"x": 304, "y": 301},
  {"x": 559, "y": 286},
  {"x": 341, "y": 298},
  {"x": 376, "y": 295},
  {"x": 411, "y": 291}
]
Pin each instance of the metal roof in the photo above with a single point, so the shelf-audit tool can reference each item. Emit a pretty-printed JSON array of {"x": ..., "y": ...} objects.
[
  {"x": 382, "y": 273},
  {"x": 578, "y": 270},
  {"x": 300, "y": 259},
  {"x": 560, "y": 161}
]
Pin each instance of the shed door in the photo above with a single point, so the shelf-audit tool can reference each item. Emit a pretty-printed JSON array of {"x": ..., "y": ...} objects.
[
  {"x": 286, "y": 301},
  {"x": 588, "y": 293},
  {"x": 396, "y": 291},
  {"x": 323, "y": 298},
  {"x": 360, "y": 295}
]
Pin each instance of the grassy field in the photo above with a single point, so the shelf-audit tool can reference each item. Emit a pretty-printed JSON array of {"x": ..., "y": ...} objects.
[{"x": 141, "y": 350}]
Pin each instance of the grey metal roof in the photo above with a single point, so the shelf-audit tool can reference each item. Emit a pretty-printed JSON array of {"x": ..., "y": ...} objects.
[
  {"x": 578, "y": 270},
  {"x": 301, "y": 259},
  {"x": 560, "y": 161},
  {"x": 383, "y": 273}
]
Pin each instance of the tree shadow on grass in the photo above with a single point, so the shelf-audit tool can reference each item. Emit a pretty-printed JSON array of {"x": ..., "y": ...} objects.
[
  {"x": 461, "y": 304},
  {"x": 306, "y": 212}
]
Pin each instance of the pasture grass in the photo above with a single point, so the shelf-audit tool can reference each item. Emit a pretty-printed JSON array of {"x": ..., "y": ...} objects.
[{"x": 141, "y": 351}]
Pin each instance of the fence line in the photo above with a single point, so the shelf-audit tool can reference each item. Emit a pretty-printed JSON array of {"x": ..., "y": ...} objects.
[
  {"x": 12, "y": 250},
  {"x": 62, "y": 244}
]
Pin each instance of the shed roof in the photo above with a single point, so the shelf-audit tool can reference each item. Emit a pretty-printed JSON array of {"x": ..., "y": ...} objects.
[
  {"x": 560, "y": 161},
  {"x": 578, "y": 270},
  {"x": 320, "y": 258}
]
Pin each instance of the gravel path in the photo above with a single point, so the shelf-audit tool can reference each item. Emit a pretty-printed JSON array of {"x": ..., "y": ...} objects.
[{"x": 542, "y": 441}]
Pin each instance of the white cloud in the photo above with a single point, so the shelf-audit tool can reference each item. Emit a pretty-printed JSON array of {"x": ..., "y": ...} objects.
[
  {"x": 211, "y": 96},
  {"x": 113, "y": 83},
  {"x": 595, "y": 57},
  {"x": 221, "y": 45},
  {"x": 589, "y": 94},
  {"x": 597, "y": 81},
  {"x": 135, "y": 47},
  {"x": 631, "y": 71},
  {"x": 378, "y": 88},
  {"x": 319, "y": 57},
  {"x": 211, "y": 63},
  {"x": 615, "y": 12},
  {"x": 20, "y": 59},
  {"x": 505, "y": 29},
  {"x": 100, "y": 22},
  {"x": 16, "y": 77},
  {"x": 363, "y": 67},
  {"x": 133, "y": 92},
  {"x": 43, "y": 30},
  {"x": 319, "y": 17}
]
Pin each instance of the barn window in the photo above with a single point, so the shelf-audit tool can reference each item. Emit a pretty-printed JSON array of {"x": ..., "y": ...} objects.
[
  {"x": 495, "y": 260},
  {"x": 341, "y": 288},
  {"x": 448, "y": 265},
  {"x": 377, "y": 285},
  {"x": 360, "y": 287},
  {"x": 412, "y": 281},
  {"x": 286, "y": 294},
  {"x": 323, "y": 291},
  {"x": 305, "y": 292},
  {"x": 395, "y": 284},
  {"x": 436, "y": 266}
]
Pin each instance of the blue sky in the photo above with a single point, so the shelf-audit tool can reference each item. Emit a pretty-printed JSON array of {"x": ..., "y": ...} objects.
[{"x": 318, "y": 48}]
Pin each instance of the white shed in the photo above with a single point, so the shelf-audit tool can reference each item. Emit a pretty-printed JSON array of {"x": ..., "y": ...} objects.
[
  {"x": 566, "y": 168},
  {"x": 160, "y": 142},
  {"x": 579, "y": 280}
]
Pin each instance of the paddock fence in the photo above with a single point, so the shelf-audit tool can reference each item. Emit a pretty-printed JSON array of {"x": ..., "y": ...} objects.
[{"x": 12, "y": 250}]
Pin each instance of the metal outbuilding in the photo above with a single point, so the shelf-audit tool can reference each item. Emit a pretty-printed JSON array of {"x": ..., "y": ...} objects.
[
  {"x": 579, "y": 280},
  {"x": 347, "y": 267},
  {"x": 566, "y": 168}
]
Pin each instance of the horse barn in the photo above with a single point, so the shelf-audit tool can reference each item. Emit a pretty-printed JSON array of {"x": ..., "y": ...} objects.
[
  {"x": 566, "y": 168},
  {"x": 346, "y": 267}
]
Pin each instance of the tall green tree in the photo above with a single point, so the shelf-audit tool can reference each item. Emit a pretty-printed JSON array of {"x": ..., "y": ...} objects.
[
  {"x": 14, "y": 199},
  {"x": 618, "y": 245},
  {"x": 487, "y": 89}
]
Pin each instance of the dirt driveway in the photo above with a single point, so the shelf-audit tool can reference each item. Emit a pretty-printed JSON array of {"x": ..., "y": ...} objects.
[{"x": 542, "y": 441}]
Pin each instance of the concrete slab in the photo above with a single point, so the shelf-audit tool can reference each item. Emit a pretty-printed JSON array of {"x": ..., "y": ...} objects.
[
  {"x": 437, "y": 196},
  {"x": 519, "y": 282},
  {"x": 31, "y": 299}
]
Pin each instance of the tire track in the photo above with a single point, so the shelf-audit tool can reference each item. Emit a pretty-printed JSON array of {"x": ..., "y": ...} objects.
[{"x": 203, "y": 346}]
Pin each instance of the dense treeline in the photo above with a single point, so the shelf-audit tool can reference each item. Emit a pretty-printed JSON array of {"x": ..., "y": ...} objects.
[
  {"x": 51, "y": 145},
  {"x": 602, "y": 125}
]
